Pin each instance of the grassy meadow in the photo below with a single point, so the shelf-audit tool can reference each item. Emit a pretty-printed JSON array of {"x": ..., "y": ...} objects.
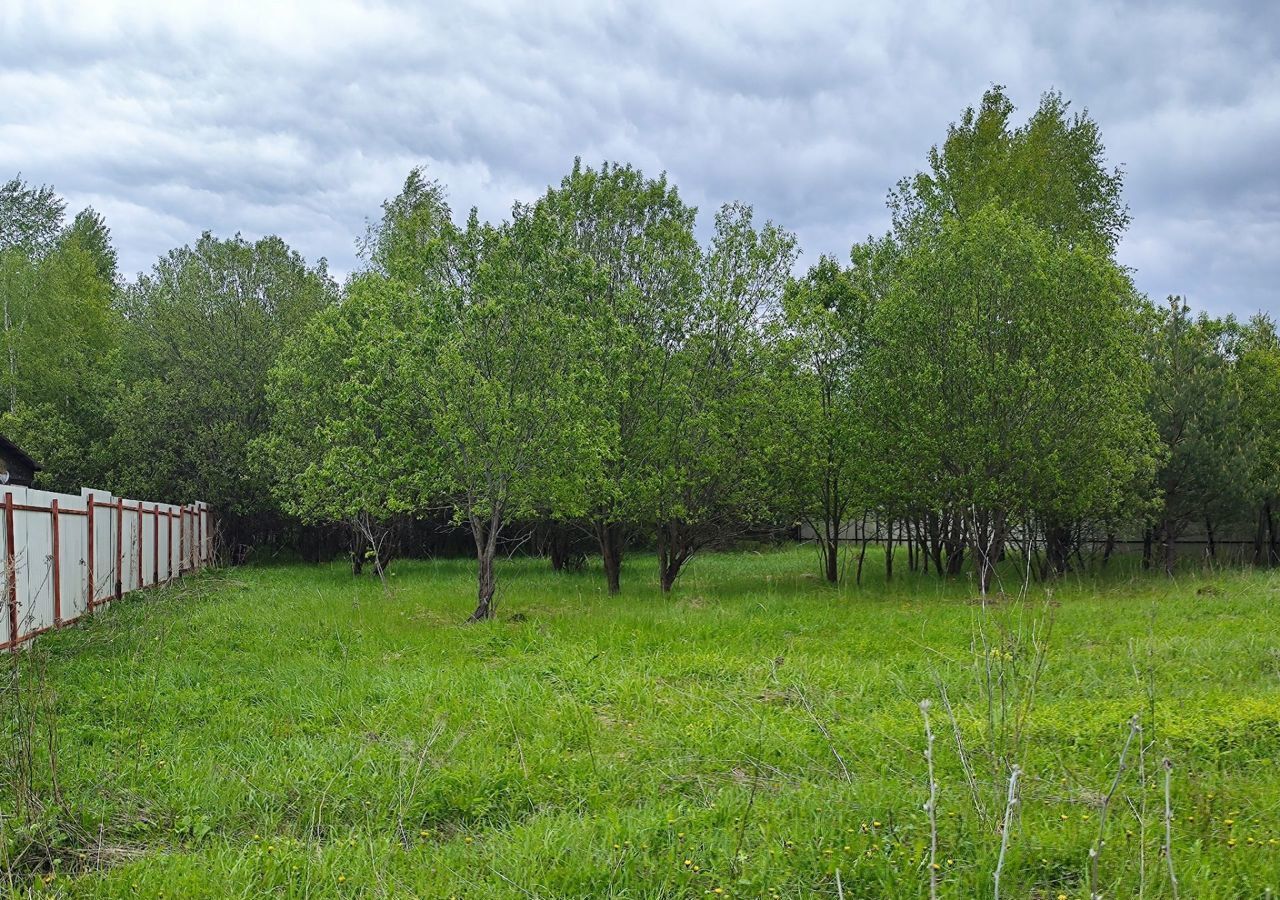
[{"x": 289, "y": 731}]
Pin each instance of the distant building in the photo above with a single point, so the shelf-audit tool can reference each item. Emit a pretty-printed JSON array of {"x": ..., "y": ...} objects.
[{"x": 16, "y": 467}]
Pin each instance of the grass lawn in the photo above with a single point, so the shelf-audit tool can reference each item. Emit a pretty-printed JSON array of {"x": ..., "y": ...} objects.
[{"x": 292, "y": 731}]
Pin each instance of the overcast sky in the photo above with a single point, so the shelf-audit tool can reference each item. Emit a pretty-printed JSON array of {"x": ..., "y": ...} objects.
[{"x": 300, "y": 118}]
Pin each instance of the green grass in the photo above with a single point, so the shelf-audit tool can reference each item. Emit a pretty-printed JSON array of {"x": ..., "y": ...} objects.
[{"x": 291, "y": 731}]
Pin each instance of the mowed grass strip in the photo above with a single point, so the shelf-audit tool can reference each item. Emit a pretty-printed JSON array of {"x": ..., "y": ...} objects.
[{"x": 292, "y": 731}]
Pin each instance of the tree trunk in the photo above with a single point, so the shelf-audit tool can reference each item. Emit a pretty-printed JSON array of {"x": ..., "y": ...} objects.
[
  {"x": 370, "y": 543},
  {"x": 831, "y": 559},
  {"x": 609, "y": 538},
  {"x": 1109, "y": 548},
  {"x": 862, "y": 550},
  {"x": 888, "y": 551},
  {"x": 954, "y": 543},
  {"x": 1273, "y": 545},
  {"x": 933, "y": 524},
  {"x": 985, "y": 538},
  {"x": 911, "y": 545},
  {"x": 1057, "y": 547},
  {"x": 1213, "y": 544},
  {"x": 485, "y": 586},
  {"x": 1148, "y": 555},
  {"x": 669, "y": 570},
  {"x": 486, "y": 536},
  {"x": 1166, "y": 544},
  {"x": 673, "y": 552},
  {"x": 558, "y": 547},
  {"x": 1260, "y": 553}
]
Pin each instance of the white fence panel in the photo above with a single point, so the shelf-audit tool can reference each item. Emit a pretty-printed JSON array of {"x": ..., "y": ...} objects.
[
  {"x": 34, "y": 541},
  {"x": 73, "y": 551},
  {"x": 64, "y": 555}
]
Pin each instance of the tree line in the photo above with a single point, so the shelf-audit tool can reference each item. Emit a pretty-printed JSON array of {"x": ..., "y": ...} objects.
[{"x": 983, "y": 381}]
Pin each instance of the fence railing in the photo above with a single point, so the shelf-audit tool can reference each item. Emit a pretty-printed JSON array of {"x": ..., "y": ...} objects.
[{"x": 66, "y": 555}]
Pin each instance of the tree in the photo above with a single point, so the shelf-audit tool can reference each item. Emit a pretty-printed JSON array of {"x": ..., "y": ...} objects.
[
  {"x": 508, "y": 383},
  {"x": 30, "y": 218},
  {"x": 821, "y": 342},
  {"x": 348, "y": 424},
  {"x": 456, "y": 373},
  {"x": 203, "y": 329},
  {"x": 1214, "y": 403},
  {"x": 638, "y": 234},
  {"x": 1258, "y": 377},
  {"x": 1051, "y": 171},
  {"x": 711, "y": 473},
  {"x": 345, "y": 428},
  {"x": 1016, "y": 377},
  {"x": 89, "y": 232},
  {"x": 1007, "y": 301},
  {"x": 59, "y": 333},
  {"x": 1192, "y": 403}
]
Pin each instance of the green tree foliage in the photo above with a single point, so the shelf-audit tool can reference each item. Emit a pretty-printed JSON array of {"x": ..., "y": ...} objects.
[
  {"x": 1050, "y": 171},
  {"x": 717, "y": 443},
  {"x": 1258, "y": 377},
  {"x": 981, "y": 382},
  {"x": 1016, "y": 379},
  {"x": 30, "y": 218},
  {"x": 508, "y": 389},
  {"x": 1009, "y": 354},
  {"x": 348, "y": 426},
  {"x": 638, "y": 235},
  {"x": 1216, "y": 407},
  {"x": 60, "y": 333},
  {"x": 456, "y": 373},
  {"x": 821, "y": 345},
  {"x": 345, "y": 428},
  {"x": 203, "y": 329}
]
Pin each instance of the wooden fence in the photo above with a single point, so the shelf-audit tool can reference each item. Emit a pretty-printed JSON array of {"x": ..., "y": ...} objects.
[{"x": 67, "y": 555}]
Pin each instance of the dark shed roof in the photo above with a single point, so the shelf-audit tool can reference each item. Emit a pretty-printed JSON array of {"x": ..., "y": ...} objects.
[{"x": 13, "y": 451}]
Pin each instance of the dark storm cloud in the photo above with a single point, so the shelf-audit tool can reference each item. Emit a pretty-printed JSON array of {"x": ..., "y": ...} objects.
[{"x": 299, "y": 119}]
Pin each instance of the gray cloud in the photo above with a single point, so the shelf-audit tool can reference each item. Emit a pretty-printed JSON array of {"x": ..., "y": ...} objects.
[{"x": 300, "y": 118}]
